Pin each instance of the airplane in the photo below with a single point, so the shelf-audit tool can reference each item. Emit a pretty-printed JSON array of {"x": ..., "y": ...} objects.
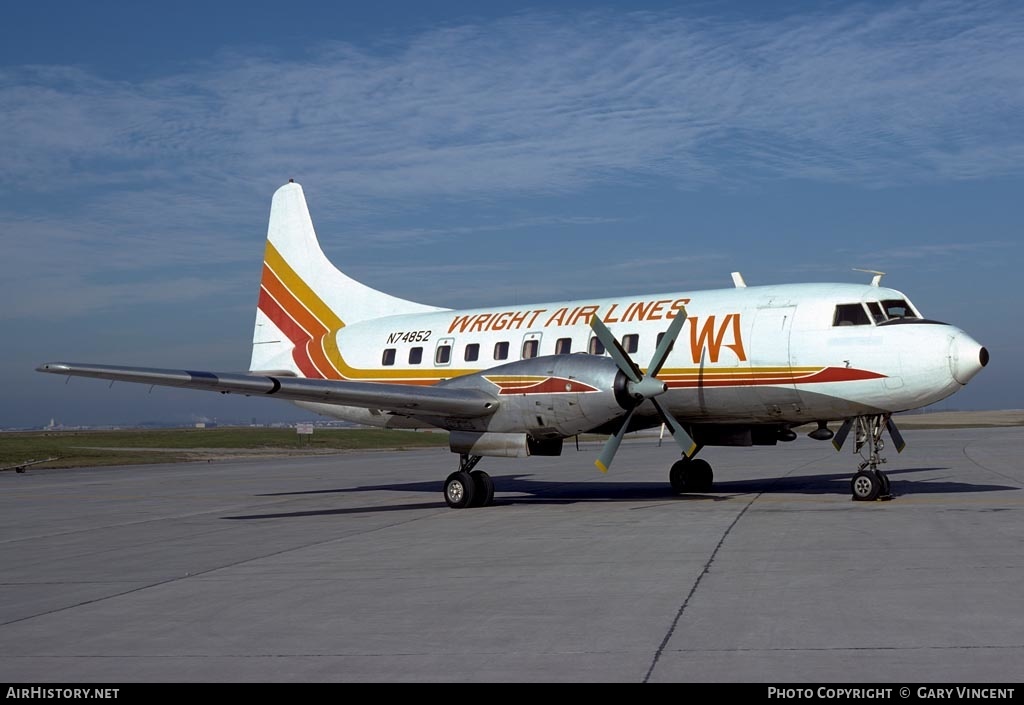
[
  {"x": 513, "y": 381},
  {"x": 22, "y": 467}
]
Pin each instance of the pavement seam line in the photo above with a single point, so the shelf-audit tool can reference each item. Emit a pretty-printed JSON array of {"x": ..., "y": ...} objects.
[
  {"x": 707, "y": 567},
  {"x": 209, "y": 570},
  {"x": 693, "y": 590}
]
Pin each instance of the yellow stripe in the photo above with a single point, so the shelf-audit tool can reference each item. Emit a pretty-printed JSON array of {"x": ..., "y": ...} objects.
[
  {"x": 301, "y": 291},
  {"x": 745, "y": 371},
  {"x": 323, "y": 313},
  {"x": 313, "y": 303},
  {"x": 329, "y": 342}
]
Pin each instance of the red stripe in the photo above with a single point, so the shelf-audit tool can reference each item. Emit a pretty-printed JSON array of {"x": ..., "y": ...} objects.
[
  {"x": 306, "y": 320},
  {"x": 552, "y": 385},
  {"x": 829, "y": 374},
  {"x": 840, "y": 374},
  {"x": 295, "y": 333}
]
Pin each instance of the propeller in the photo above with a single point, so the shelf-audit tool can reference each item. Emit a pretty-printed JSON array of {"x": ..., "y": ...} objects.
[{"x": 642, "y": 387}]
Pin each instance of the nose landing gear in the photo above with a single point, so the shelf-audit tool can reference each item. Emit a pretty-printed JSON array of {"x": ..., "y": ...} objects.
[{"x": 870, "y": 483}]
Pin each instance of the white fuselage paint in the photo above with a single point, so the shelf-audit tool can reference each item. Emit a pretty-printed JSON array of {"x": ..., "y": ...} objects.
[{"x": 746, "y": 355}]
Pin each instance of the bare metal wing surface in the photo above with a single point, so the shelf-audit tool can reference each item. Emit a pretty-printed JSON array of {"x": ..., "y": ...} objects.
[
  {"x": 399, "y": 398},
  {"x": 22, "y": 467}
]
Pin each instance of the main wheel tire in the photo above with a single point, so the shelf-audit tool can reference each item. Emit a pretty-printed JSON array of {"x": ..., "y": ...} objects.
[
  {"x": 677, "y": 476},
  {"x": 483, "y": 489},
  {"x": 459, "y": 490},
  {"x": 865, "y": 486},
  {"x": 699, "y": 476},
  {"x": 691, "y": 476}
]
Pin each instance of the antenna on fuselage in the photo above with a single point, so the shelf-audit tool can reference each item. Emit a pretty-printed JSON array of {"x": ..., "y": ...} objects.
[{"x": 875, "y": 280}]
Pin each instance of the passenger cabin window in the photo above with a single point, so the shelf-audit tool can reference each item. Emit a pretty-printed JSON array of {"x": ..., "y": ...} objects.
[
  {"x": 851, "y": 315},
  {"x": 415, "y": 356},
  {"x": 876, "y": 311},
  {"x": 501, "y": 351},
  {"x": 898, "y": 308},
  {"x": 530, "y": 348},
  {"x": 388, "y": 358},
  {"x": 443, "y": 355},
  {"x": 596, "y": 347},
  {"x": 631, "y": 342},
  {"x": 563, "y": 346},
  {"x": 472, "y": 352}
]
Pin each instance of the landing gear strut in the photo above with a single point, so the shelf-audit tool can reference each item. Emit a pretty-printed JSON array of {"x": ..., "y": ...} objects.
[
  {"x": 691, "y": 475},
  {"x": 467, "y": 487},
  {"x": 870, "y": 483}
]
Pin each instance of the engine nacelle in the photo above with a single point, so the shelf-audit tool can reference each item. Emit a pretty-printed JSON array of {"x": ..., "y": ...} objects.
[
  {"x": 502, "y": 445},
  {"x": 555, "y": 396}
]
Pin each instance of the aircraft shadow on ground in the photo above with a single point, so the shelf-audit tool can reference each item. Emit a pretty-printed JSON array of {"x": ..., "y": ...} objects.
[{"x": 536, "y": 491}]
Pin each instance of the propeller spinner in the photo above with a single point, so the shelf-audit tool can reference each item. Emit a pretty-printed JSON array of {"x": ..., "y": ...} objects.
[{"x": 642, "y": 387}]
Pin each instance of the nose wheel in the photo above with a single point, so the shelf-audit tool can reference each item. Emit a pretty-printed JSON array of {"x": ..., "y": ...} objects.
[
  {"x": 870, "y": 483},
  {"x": 867, "y": 486}
]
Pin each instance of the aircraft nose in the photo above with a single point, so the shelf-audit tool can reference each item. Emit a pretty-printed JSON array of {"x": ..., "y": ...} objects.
[{"x": 966, "y": 357}]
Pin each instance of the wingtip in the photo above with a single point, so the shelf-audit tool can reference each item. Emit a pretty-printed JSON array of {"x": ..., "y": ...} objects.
[{"x": 52, "y": 367}]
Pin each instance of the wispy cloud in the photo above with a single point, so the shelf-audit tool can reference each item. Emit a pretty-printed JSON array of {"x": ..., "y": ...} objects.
[
  {"x": 944, "y": 250},
  {"x": 901, "y": 93},
  {"x": 389, "y": 237},
  {"x": 155, "y": 172}
]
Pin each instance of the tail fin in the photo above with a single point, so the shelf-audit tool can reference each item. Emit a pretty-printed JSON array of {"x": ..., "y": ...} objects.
[{"x": 305, "y": 300}]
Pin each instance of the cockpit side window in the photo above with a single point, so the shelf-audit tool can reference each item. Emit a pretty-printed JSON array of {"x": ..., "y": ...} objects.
[
  {"x": 898, "y": 308},
  {"x": 851, "y": 315}
]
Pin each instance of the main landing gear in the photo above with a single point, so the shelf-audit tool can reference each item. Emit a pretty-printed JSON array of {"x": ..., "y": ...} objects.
[
  {"x": 691, "y": 475},
  {"x": 467, "y": 487}
]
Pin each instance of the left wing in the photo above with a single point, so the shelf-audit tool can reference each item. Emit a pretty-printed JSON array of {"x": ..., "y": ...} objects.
[
  {"x": 407, "y": 399},
  {"x": 22, "y": 467}
]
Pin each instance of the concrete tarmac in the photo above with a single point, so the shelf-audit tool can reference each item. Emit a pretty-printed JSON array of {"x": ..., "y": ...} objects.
[{"x": 351, "y": 568}]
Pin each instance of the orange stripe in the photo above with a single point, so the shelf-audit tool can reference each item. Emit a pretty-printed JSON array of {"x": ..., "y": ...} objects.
[
  {"x": 291, "y": 329},
  {"x": 326, "y": 347},
  {"x": 301, "y": 315},
  {"x": 301, "y": 290}
]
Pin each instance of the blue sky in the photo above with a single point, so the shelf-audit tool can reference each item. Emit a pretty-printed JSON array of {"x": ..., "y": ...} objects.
[{"x": 482, "y": 153}]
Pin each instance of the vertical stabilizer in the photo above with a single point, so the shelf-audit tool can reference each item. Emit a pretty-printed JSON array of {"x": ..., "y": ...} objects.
[{"x": 305, "y": 300}]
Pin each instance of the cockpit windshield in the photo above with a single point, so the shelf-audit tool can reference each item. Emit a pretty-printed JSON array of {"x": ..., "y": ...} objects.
[
  {"x": 876, "y": 312},
  {"x": 898, "y": 308},
  {"x": 881, "y": 313}
]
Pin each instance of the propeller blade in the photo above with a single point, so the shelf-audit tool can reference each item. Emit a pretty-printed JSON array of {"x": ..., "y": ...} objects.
[
  {"x": 840, "y": 438},
  {"x": 661, "y": 354},
  {"x": 620, "y": 356},
  {"x": 679, "y": 434},
  {"x": 611, "y": 446},
  {"x": 894, "y": 433}
]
